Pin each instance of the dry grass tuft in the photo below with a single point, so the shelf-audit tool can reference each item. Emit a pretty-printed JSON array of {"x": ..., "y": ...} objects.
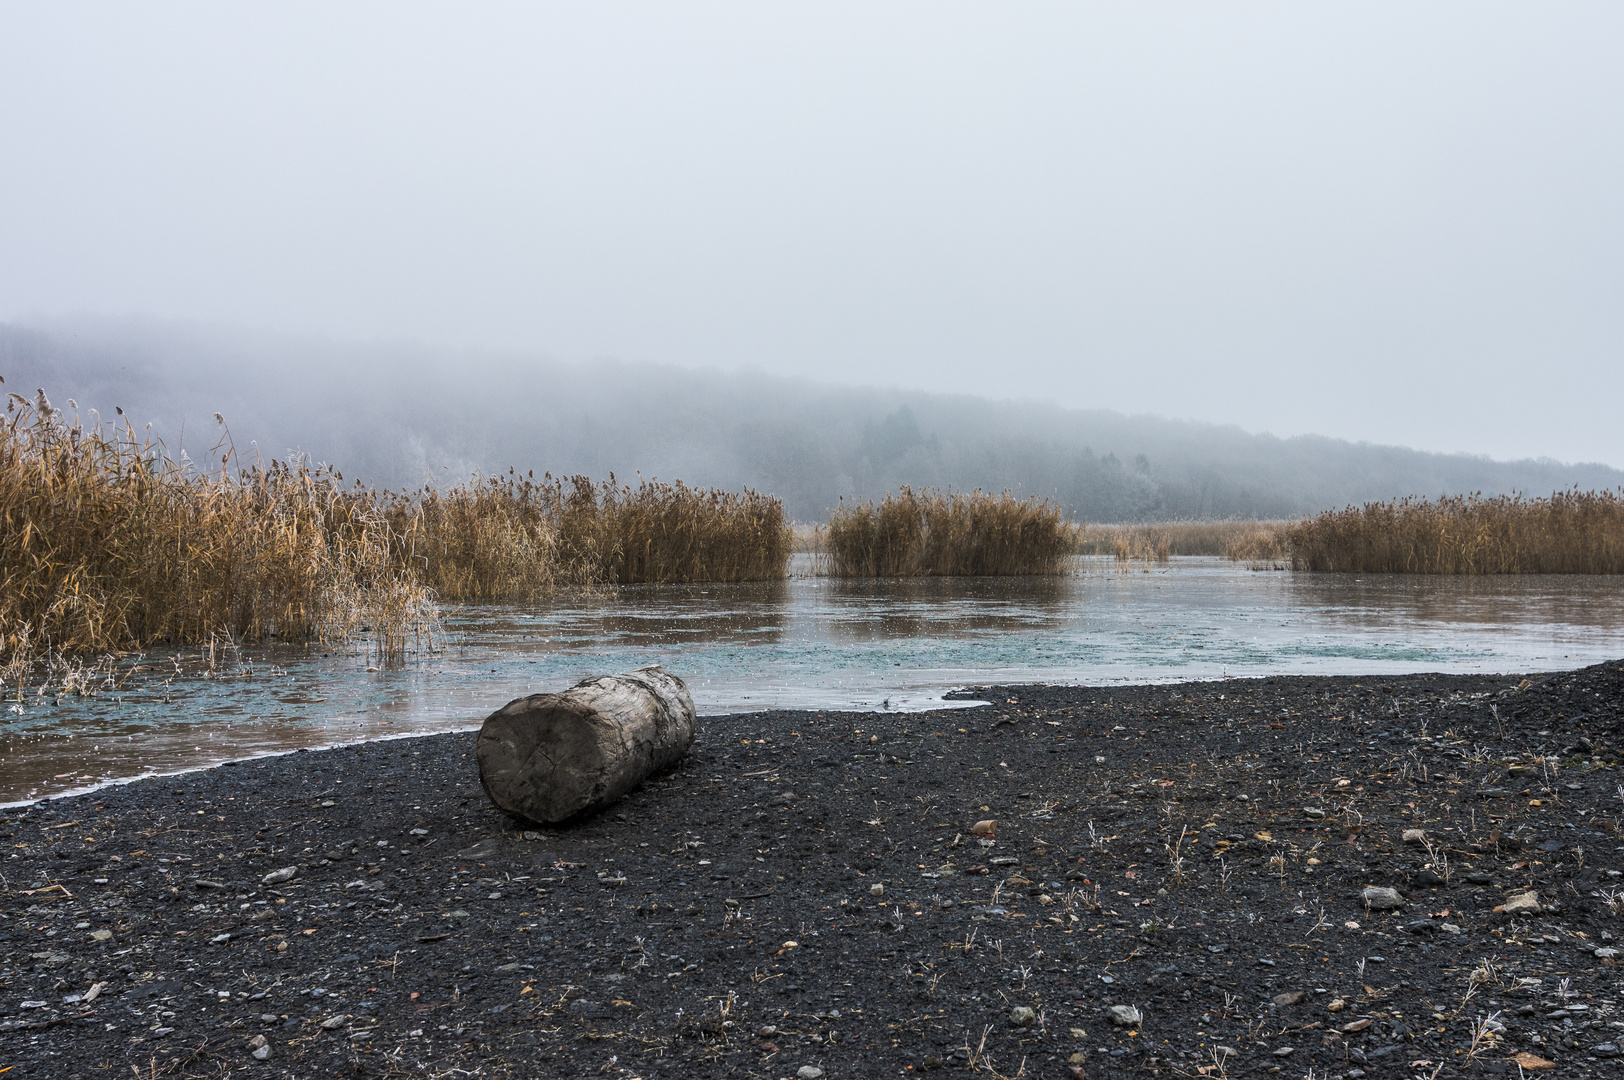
[
  {"x": 930, "y": 534},
  {"x": 1570, "y": 532}
]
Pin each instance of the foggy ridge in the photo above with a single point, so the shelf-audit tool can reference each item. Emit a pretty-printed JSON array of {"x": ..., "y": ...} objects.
[{"x": 400, "y": 415}]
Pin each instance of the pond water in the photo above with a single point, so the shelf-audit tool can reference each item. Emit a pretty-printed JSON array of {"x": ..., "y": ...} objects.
[{"x": 814, "y": 643}]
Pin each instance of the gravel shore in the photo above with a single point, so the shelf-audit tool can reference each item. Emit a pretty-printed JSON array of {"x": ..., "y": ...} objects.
[{"x": 1380, "y": 876}]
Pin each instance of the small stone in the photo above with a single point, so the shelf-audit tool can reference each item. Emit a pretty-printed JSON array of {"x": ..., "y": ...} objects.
[
  {"x": 101, "y": 935},
  {"x": 333, "y": 1022},
  {"x": 766, "y": 1031},
  {"x": 809, "y": 1072},
  {"x": 1606, "y": 952},
  {"x": 261, "y": 1053},
  {"x": 1381, "y": 898},
  {"x": 1022, "y": 1016},
  {"x": 1336, "y": 1005},
  {"x": 988, "y": 827},
  {"x": 874, "y": 890},
  {"x": 277, "y": 877},
  {"x": 1285, "y": 1051},
  {"x": 1290, "y": 997},
  {"x": 257, "y": 1041},
  {"x": 268, "y": 1018},
  {"x": 1356, "y": 1025},
  {"x": 1522, "y": 903},
  {"x": 1415, "y": 836},
  {"x": 1124, "y": 1015}
]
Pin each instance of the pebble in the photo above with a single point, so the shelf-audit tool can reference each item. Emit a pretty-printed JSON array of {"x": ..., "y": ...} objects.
[
  {"x": 809, "y": 1072},
  {"x": 1522, "y": 903},
  {"x": 277, "y": 877},
  {"x": 1415, "y": 836},
  {"x": 1381, "y": 898},
  {"x": 1124, "y": 1015},
  {"x": 333, "y": 1022},
  {"x": 1290, "y": 997},
  {"x": 1285, "y": 1051},
  {"x": 1022, "y": 1017},
  {"x": 1606, "y": 952},
  {"x": 260, "y": 1053},
  {"x": 101, "y": 935},
  {"x": 268, "y": 1018},
  {"x": 873, "y": 890}
]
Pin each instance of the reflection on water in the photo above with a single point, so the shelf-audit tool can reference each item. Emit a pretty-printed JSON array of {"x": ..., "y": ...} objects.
[{"x": 823, "y": 643}]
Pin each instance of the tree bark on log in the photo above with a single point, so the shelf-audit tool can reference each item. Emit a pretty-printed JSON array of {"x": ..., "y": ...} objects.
[{"x": 551, "y": 757}]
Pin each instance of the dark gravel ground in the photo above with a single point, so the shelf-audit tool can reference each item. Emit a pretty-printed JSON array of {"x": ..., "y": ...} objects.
[{"x": 804, "y": 893}]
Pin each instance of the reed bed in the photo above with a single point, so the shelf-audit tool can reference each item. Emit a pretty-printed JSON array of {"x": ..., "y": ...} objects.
[
  {"x": 1570, "y": 532},
  {"x": 1159, "y": 541},
  {"x": 662, "y": 533},
  {"x": 108, "y": 544},
  {"x": 491, "y": 538},
  {"x": 927, "y": 533}
]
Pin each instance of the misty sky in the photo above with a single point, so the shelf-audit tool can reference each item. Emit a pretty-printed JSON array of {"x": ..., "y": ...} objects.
[{"x": 1401, "y": 223}]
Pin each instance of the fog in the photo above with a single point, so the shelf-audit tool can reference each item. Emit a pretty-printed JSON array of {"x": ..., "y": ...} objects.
[
  {"x": 1383, "y": 222},
  {"x": 439, "y": 416}
]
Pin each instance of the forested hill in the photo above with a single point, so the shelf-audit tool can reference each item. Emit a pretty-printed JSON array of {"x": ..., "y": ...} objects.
[{"x": 400, "y": 415}]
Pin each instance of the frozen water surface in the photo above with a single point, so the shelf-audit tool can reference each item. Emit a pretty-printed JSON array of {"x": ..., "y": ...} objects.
[{"x": 816, "y": 643}]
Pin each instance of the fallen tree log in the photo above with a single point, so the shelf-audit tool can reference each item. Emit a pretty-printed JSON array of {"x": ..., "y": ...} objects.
[{"x": 551, "y": 757}]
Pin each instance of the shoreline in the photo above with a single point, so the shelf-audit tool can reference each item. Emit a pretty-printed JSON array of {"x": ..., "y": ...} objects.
[{"x": 1166, "y": 847}]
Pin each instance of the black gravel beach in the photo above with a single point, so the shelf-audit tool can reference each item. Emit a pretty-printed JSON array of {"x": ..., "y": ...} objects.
[{"x": 1335, "y": 877}]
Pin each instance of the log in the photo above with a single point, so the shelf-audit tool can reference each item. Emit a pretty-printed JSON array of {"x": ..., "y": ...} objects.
[{"x": 551, "y": 757}]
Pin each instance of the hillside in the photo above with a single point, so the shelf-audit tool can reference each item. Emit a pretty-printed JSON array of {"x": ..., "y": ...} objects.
[{"x": 398, "y": 415}]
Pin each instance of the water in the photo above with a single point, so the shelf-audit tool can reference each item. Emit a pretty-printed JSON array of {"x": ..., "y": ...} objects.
[{"x": 816, "y": 643}]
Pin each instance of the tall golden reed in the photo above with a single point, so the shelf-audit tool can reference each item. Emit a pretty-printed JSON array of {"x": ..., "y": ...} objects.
[
  {"x": 105, "y": 543},
  {"x": 1570, "y": 532},
  {"x": 927, "y": 533},
  {"x": 1160, "y": 540},
  {"x": 659, "y": 533}
]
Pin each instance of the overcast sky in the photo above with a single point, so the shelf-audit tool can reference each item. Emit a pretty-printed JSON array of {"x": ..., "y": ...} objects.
[{"x": 1400, "y": 223}]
